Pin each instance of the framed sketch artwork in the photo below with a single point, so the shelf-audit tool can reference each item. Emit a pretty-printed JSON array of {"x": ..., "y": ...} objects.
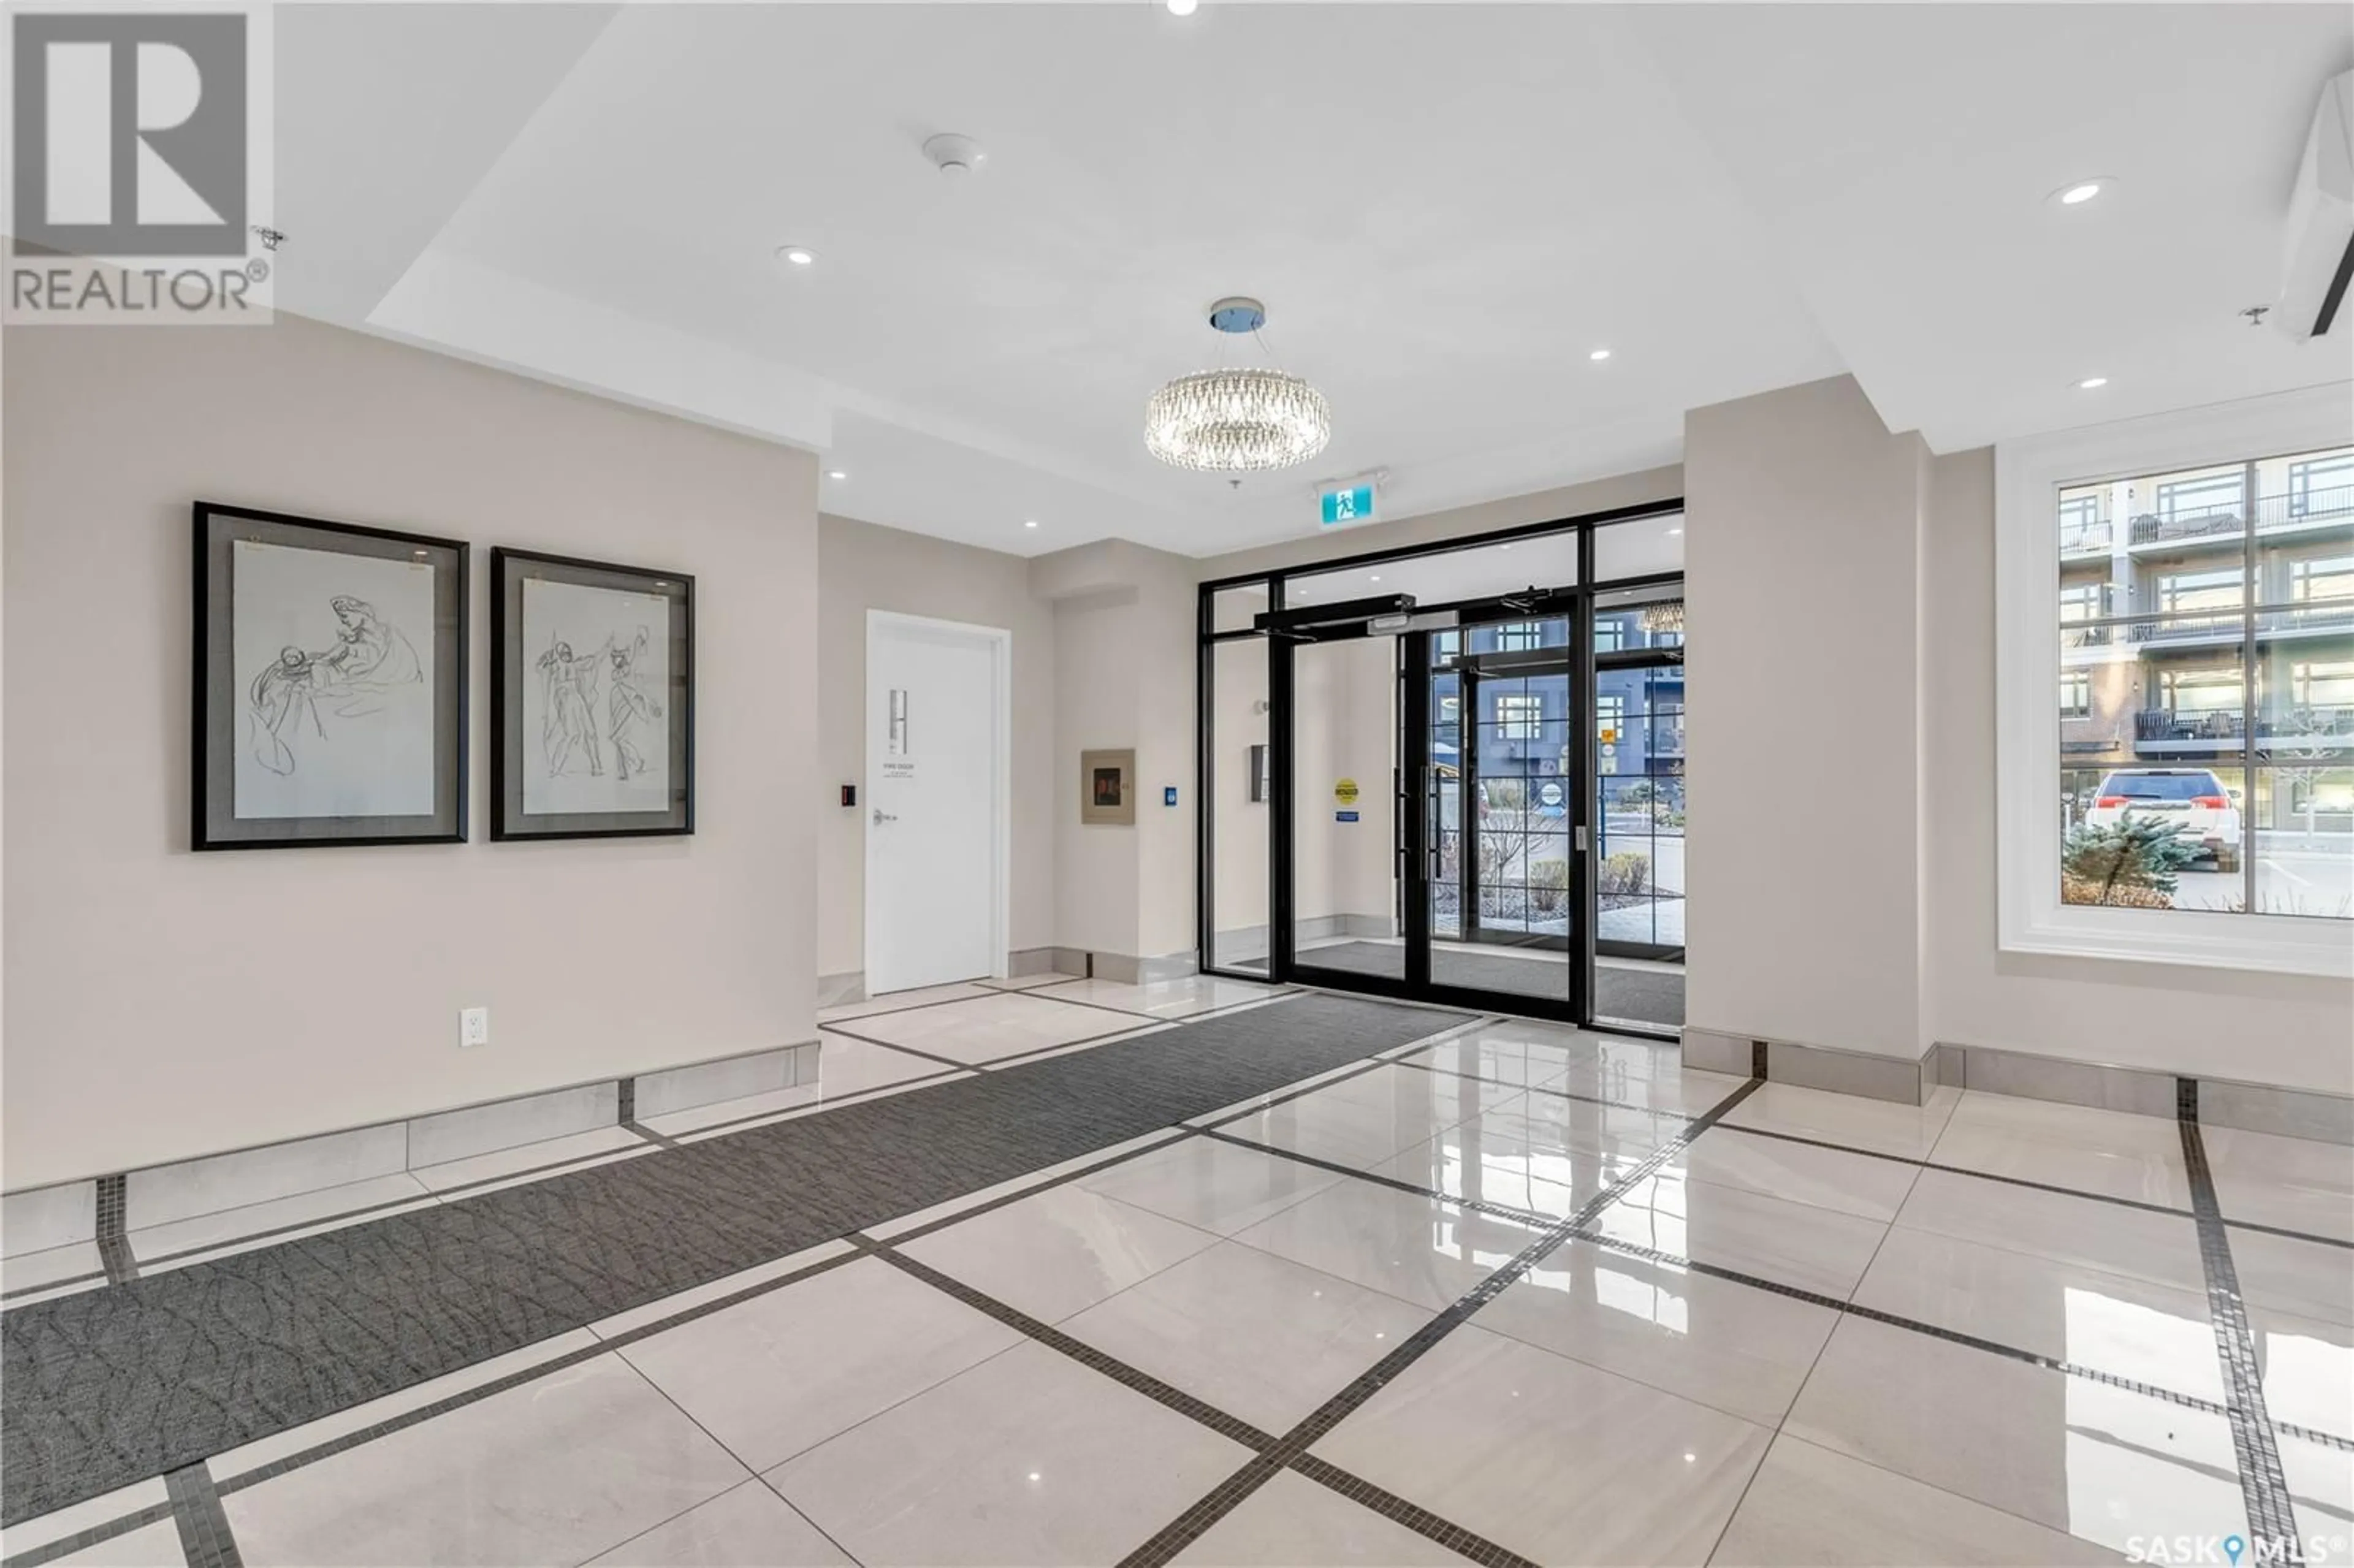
[
  {"x": 329, "y": 690},
  {"x": 592, "y": 703}
]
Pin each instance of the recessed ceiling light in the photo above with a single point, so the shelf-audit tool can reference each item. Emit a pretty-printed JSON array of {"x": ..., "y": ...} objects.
[
  {"x": 799, "y": 255},
  {"x": 2076, "y": 193},
  {"x": 837, "y": 473},
  {"x": 1675, "y": 531},
  {"x": 1599, "y": 354},
  {"x": 1031, "y": 522},
  {"x": 1182, "y": 8},
  {"x": 2092, "y": 383},
  {"x": 1373, "y": 577}
]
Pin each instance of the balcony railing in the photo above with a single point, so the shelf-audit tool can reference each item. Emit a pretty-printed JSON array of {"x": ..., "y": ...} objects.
[
  {"x": 2327, "y": 722},
  {"x": 2316, "y": 617},
  {"x": 2273, "y": 513}
]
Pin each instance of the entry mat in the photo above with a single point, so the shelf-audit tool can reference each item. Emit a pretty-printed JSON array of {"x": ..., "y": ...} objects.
[
  {"x": 114, "y": 1385},
  {"x": 1631, "y": 995}
]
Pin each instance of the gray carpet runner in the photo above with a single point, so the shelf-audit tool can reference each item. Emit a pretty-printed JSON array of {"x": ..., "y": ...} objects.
[{"x": 114, "y": 1385}]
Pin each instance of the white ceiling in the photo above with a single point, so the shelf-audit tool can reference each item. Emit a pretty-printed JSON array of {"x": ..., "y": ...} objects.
[{"x": 1444, "y": 206}]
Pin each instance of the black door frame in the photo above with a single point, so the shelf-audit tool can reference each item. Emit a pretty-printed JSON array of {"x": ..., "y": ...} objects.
[
  {"x": 1412, "y": 803},
  {"x": 1413, "y": 708}
]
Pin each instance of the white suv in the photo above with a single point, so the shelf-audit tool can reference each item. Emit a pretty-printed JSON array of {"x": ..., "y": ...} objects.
[{"x": 2192, "y": 799}]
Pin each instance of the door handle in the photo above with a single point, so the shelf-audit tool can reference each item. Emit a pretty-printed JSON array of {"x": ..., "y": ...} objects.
[{"x": 882, "y": 816}]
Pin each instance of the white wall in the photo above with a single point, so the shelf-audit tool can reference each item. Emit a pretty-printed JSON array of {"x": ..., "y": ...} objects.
[
  {"x": 162, "y": 1004},
  {"x": 1803, "y": 844},
  {"x": 2277, "y": 1029},
  {"x": 862, "y": 567}
]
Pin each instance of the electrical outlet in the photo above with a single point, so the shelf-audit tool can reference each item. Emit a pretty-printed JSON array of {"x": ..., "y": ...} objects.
[{"x": 474, "y": 1027}]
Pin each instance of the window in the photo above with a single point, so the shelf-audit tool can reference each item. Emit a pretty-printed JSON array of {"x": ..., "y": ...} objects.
[
  {"x": 2316, "y": 685},
  {"x": 2326, "y": 577},
  {"x": 1518, "y": 637},
  {"x": 2183, "y": 593},
  {"x": 2207, "y": 690},
  {"x": 2228, "y": 673},
  {"x": 2195, "y": 500},
  {"x": 2080, "y": 601},
  {"x": 1519, "y": 718},
  {"x": 2081, "y": 527},
  {"x": 2075, "y": 694},
  {"x": 2318, "y": 486}
]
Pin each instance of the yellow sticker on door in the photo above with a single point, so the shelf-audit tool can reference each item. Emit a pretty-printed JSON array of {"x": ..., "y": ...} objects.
[{"x": 1344, "y": 792}]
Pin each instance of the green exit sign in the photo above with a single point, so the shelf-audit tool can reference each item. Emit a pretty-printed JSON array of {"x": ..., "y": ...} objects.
[{"x": 1353, "y": 504}]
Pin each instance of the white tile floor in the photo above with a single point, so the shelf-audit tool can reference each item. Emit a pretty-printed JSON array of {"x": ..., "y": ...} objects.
[{"x": 1681, "y": 1380}]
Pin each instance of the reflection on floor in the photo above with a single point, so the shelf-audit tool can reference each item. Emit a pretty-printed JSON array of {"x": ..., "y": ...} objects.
[
  {"x": 1628, "y": 992},
  {"x": 1508, "y": 1294}
]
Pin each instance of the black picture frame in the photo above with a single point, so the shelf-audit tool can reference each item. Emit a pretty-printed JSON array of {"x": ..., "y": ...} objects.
[
  {"x": 221, "y": 718},
  {"x": 513, "y": 666}
]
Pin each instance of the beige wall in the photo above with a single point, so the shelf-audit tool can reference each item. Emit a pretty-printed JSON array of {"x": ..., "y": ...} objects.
[
  {"x": 861, "y": 568},
  {"x": 1097, "y": 889},
  {"x": 1802, "y": 578},
  {"x": 162, "y": 1004},
  {"x": 1242, "y": 826},
  {"x": 1639, "y": 489},
  {"x": 2277, "y": 1029},
  {"x": 1124, "y": 627},
  {"x": 1346, "y": 697}
]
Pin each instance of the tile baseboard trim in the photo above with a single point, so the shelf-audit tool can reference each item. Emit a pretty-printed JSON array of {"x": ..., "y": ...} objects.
[
  {"x": 849, "y": 986},
  {"x": 1121, "y": 969},
  {"x": 2312, "y": 1113},
  {"x": 1843, "y": 1072},
  {"x": 39, "y": 1217}
]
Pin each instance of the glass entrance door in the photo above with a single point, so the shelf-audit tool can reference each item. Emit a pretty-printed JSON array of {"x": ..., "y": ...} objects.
[
  {"x": 1433, "y": 823},
  {"x": 1502, "y": 878}
]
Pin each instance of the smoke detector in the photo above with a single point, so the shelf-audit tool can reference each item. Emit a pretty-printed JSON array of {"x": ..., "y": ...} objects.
[{"x": 954, "y": 154}]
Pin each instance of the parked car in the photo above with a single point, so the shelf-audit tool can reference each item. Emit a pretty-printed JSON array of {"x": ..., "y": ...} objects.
[{"x": 2192, "y": 799}]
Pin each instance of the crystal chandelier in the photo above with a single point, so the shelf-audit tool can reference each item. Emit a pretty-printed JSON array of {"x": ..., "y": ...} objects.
[
  {"x": 1664, "y": 617},
  {"x": 1238, "y": 420}
]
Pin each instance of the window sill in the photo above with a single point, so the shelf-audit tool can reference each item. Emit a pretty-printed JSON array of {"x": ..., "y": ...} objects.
[{"x": 2261, "y": 944}]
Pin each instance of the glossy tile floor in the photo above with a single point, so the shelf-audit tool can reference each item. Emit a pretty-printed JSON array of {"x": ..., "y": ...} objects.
[{"x": 1516, "y": 1293}]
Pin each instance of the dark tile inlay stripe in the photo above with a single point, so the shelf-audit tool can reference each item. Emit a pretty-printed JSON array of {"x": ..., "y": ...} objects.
[
  {"x": 1188, "y": 1527},
  {"x": 1079, "y": 1350},
  {"x": 642, "y": 1130},
  {"x": 1756, "y": 1282},
  {"x": 1916, "y": 1163},
  {"x": 1421, "y": 1520},
  {"x": 205, "y": 1537},
  {"x": 113, "y": 1251},
  {"x": 67, "y": 1545},
  {"x": 267, "y": 1340},
  {"x": 2272, "y": 1515},
  {"x": 628, "y": 1102}
]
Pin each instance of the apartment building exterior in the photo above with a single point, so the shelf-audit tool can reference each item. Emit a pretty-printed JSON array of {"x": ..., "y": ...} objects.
[{"x": 2169, "y": 660}]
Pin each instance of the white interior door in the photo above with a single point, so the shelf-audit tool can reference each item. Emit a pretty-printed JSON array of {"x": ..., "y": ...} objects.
[{"x": 936, "y": 722}]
